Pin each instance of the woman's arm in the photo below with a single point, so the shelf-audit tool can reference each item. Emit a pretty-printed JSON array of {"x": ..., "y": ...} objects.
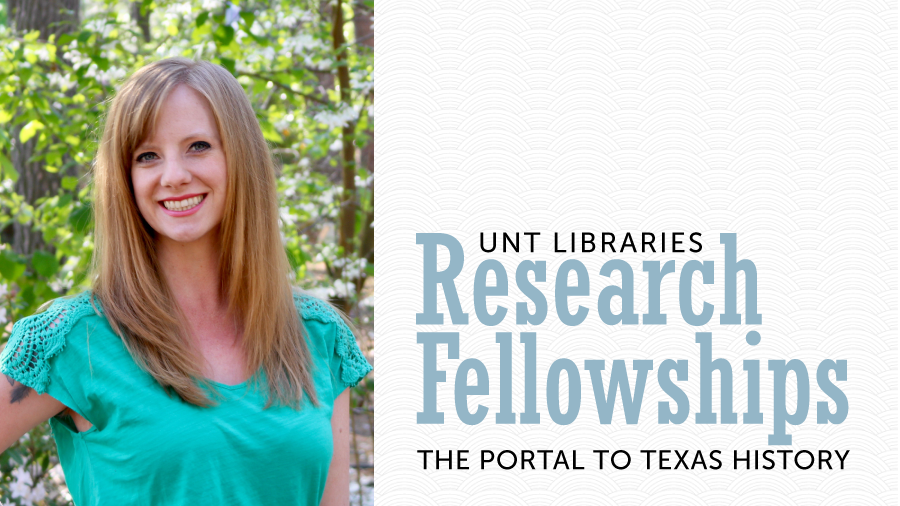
[
  {"x": 337, "y": 488},
  {"x": 22, "y": 409}
]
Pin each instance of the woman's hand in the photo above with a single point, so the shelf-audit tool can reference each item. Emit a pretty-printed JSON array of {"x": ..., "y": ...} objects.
[
  {"x": 22, "y": 409},
  {"x": 337, "y": 488}
]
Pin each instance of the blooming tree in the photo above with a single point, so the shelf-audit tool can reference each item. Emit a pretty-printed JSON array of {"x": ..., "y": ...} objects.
[{"x": 307, "y": 69}]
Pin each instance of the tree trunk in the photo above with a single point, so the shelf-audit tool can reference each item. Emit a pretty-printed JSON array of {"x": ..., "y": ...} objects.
[
  {"x": 142, "y": 20},
  {"x": 50, "y": 17},
  {"x": 347, "y": 229},
  {"x": 365, "y": 41},
  {"x": 326, "y": 77}
]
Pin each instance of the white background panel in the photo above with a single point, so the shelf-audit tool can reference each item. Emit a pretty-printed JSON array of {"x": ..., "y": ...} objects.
[{"x": 775, "y": 120}]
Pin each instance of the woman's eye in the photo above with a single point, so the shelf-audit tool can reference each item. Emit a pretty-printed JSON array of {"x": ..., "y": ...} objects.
[
  {"x": 200, "y": 146},
  {"x": 145, "y": 157}
]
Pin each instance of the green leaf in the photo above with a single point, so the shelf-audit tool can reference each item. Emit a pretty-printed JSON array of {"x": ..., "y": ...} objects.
[
  {"x": 5, "y": 116},
  {"x": 10, "y": 268},
  {"x": 269, "y": 133},
  {"x": 17, "y": 457},
  {"x": 228, "y": 63},
  {"x": 101, "y": 62},
  {"x": 80, "y": 218},
  {"x": 29, "y": 130},
  {"x": 259, "y": 86},
  {"x": 9, "y": 170},
  {"x": 25, "y": 74},
  {"x": 44, "y": 263},
  {"x": 248, "y": 17},
  {"x": 262, "y": 41},
  {"x": 223, "y": 35},
  {"x": 201, "y": 18},
  {"x": 27, "y": 295},
  {"x": 69, "y": 183},
  {"x": 31, "y": 36}
]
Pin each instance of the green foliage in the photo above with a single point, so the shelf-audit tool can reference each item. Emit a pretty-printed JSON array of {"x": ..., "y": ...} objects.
[{"x": 55, "y": 92}]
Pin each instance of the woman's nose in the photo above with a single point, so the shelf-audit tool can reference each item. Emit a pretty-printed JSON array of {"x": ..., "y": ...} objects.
[{"x": 175, "y": 173}]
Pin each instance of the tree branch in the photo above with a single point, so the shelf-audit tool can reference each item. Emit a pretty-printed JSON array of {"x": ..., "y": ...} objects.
[{"x": 286, "y": 88}]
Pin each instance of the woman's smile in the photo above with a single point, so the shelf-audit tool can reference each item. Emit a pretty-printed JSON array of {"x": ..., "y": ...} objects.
[
  {"x": 185, "y": 205},
  {"x": 179, "y": 170}
]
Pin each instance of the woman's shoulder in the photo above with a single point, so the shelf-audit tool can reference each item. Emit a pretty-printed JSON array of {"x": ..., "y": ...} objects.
[
  {"x": 312, "y": 308},
  {"x": 36, "y": 339},
  {"x": 59, "y": 316},
  {"x": 323, "y": 326},
  {"x": 330, "y": 333}
]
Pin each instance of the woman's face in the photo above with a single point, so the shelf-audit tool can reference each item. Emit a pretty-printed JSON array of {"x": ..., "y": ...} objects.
[{"x": 178, "y": 172}]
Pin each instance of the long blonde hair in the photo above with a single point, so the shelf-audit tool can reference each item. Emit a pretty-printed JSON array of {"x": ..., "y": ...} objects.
[{"x": 253, "y": 266}]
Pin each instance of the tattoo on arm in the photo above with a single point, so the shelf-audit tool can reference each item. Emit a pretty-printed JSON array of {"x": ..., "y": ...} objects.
[{"x": 19, "y": 391}]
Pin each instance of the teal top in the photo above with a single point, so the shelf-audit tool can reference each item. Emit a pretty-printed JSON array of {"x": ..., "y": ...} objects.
[{"x": 147, "y": 448}]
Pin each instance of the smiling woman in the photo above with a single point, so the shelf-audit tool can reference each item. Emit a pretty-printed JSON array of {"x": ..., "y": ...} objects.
[
  {"x": 192, "y": 341},
  {"x": 179, "y": 170}
]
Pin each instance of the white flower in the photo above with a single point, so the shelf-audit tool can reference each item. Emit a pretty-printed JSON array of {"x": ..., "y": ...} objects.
[
  {"x": 61, "y": 285},
  {"x": 21, "y": 475},
  {"x": 231, "y": 15},
  {"x": 300, "y": 44},
  {"x": 99, "y": 26},
  {"x": 22, "y": 489},
  {"x": 364, "y": 84},
  {"x": 321, "y": 292},
  {"x": 285, "y": 122},
  {"x": 339, "y": 118},
  {"x": 38, "y": 493},
  {"x": 183, "y": 8},
  {"x": 41, "y": 53},
  {"x": 286, "y": 217},
  {"x": 63, "y": 82},
  {"x": 266, "y": 54},
  {"x": 57, "y": 475},
  {"x": 343, "y": 289},
  {"x": 353, "y": 269}
]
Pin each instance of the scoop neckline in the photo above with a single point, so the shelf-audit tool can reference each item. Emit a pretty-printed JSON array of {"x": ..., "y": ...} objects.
[
  {"x": 228, "y": 387},
  {"x": 239, "y": 386}
]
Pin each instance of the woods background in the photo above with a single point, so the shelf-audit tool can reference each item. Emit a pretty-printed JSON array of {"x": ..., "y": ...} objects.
[{"x": 307, "y": 68}]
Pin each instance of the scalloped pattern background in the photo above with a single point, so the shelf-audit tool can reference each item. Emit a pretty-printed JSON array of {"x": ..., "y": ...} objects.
[{"x": 776, "y": 120}]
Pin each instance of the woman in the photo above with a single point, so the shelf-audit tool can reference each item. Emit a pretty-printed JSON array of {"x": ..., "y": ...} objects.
[{"x": 190, "y": 373}]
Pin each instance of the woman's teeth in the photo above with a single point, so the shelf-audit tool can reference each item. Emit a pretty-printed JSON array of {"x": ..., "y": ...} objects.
[{"x": 182, "y": 205}]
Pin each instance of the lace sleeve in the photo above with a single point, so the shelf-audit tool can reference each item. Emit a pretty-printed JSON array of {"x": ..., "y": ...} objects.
[
  {"x": 38, "y": 338},
  {"x": 348, "y": 365}
]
